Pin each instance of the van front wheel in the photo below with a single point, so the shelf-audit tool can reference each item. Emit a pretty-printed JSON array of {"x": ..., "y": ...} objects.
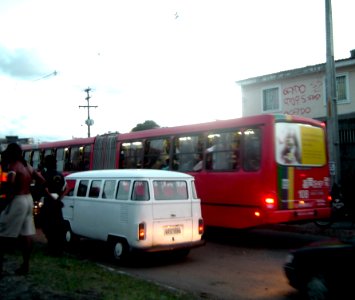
[{"x": 70, "y": 237}]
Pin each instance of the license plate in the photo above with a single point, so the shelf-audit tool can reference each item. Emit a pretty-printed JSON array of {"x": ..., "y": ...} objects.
[{"x": 169, "y": 230}]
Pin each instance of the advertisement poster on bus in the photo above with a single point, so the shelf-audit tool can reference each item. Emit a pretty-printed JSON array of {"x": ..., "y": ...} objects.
[{"x": 300, "y": 145}]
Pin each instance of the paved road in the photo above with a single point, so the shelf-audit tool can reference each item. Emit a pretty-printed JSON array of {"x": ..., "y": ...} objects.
[{"x": 230, "y": 266}]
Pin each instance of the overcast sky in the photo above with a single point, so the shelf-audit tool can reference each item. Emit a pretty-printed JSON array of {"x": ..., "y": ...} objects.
[{"x": 173, "y": 62}]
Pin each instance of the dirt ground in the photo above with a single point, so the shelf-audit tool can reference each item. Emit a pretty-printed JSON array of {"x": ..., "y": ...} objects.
[{"x": 13, "y": 287}]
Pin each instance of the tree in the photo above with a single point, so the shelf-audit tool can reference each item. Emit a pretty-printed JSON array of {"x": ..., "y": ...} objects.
[{"x": 148, "y": 124}]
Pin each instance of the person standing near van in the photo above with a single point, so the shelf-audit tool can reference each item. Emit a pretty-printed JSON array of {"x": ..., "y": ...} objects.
[
  {"x": 16, "y": 220},
  {"x": 51, "y": 216}
]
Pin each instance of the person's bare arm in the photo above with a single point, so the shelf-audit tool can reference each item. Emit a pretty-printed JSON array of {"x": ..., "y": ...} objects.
[{"x": 10, "y": 188}]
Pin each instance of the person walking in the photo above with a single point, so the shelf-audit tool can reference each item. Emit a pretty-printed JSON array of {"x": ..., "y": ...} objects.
[
  {"x": 16, "y": 221},
  {"x": 51, "y": 217}
]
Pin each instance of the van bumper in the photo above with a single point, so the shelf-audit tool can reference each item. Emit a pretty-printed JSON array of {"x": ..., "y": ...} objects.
[{"x": 161, "y": 248}]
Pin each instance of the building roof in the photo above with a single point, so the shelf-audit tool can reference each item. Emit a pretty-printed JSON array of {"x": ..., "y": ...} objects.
[{"x": 319, "y": 68}]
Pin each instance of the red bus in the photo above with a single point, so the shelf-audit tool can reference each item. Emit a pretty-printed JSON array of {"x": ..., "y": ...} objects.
[
  {"x": 249, "y": 171},
  {"x": 72, "y": 155}
]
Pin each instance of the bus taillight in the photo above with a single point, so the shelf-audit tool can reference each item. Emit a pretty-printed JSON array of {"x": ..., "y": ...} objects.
[
  {"x": 269, "y": 202},
  {"x": 141, "y": 231}
]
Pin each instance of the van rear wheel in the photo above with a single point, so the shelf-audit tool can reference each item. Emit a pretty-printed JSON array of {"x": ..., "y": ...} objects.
[{"x": 119, "y": 249}]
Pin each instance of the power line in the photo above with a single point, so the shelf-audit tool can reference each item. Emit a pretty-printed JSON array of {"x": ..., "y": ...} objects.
[{"x": 55, "y": 73}]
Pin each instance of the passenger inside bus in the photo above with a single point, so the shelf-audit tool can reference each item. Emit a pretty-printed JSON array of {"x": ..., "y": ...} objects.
[{"x": 199, "y": 164}]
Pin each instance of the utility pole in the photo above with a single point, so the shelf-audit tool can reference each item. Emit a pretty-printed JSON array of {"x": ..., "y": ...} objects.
[
  {"x": 331, "y": 101},
  {"x": 89, "y": 122}
]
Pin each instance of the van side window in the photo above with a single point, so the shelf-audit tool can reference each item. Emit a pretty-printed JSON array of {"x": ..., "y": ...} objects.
[
  {"x": 123, "y": 190},
  {"x": 95, "y": 189},
  {"x": 140, "y": 190},
  {"x": 69, "y": 188},
  {"x": 109, "y": 189},
  {"x": 70, "y": 192},
  {"x": 83, "y": 187}
]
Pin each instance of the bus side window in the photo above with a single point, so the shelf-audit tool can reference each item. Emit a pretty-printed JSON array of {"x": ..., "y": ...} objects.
[
  {"x": 60, "y": 159},
  {"x": 83, "y": 187},
  {"x": 187, "y": 152},
  {"x": 235, "y": 155},
  {"x": 123, "y": 189},
  {"x": 27, "y": 156},
  {"x": 75, "y": 158},
  {"x": 252, "y": 149},
  {"x": 86, "y": 157},
  {"x": 156, "y": 152},
  {"x": 67, "y": 165},
  {"x": 36, "y": 159},
  {"x": 140, "y": 191},
  {"x": 131, "y": 154}
]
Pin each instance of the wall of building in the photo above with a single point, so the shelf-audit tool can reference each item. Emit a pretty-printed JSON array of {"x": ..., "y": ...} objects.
[{"x": 301, "y": 95}]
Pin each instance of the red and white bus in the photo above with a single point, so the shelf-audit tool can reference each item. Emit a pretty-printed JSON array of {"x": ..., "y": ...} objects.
[{"x": 249, "y": 171}]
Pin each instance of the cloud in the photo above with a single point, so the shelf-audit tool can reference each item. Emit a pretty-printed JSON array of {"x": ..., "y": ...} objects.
[{"x": 20, "y": 63}]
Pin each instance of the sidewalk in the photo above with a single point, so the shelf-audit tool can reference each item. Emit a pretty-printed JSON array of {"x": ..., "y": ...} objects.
[{"x": 340, "y": 229}]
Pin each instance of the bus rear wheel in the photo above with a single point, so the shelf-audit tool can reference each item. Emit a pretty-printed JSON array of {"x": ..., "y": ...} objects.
[{"x": 324, "y": 223}]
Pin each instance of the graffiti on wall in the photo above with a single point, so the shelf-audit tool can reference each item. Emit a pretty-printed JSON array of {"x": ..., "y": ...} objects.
[{"x": 299, "y": 99}]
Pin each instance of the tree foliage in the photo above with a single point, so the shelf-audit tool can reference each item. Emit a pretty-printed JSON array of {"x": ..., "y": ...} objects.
[{"x": 148, "y": 124}]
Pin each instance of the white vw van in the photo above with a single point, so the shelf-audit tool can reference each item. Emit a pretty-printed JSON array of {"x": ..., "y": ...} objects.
[{"x": 134, "y": 210}]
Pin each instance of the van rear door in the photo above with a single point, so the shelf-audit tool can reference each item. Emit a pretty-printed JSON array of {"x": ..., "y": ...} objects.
[
  {"x": 172, "y": 212},
  {"x": 171, "y": 199}
]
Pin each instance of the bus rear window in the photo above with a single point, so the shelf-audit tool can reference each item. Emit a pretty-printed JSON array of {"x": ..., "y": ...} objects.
[{"x": 300, "y": 144}]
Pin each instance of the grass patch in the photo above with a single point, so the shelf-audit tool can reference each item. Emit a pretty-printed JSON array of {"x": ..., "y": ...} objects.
[{"x": 68, "y": 277}]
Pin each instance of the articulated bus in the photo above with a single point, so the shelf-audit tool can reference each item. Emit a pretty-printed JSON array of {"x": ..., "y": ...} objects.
[{"x": 249, "y": 172}]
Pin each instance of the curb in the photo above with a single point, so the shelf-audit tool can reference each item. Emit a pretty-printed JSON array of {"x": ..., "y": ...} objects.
[{"x": 342, "y": 229}]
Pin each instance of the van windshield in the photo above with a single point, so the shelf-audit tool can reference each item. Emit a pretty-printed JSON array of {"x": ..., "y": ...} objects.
[{"x": 170, "y": 190}]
